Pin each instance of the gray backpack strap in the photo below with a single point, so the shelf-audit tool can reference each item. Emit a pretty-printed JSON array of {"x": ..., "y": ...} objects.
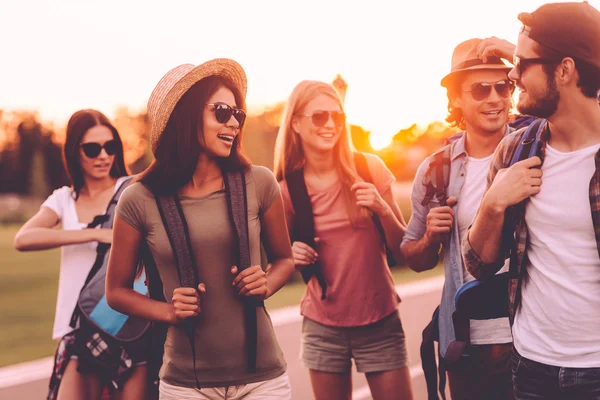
[
  {"x": 105, "y": 221},
  {"x": 177, "y": 231},
  {"x": 178, "y": 234},
  {"x": 235, "y": 189},
  {"x": 237, "y": 202}
]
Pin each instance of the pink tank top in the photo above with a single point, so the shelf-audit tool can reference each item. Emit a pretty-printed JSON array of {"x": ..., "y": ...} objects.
[{"x": 360, "y": 287}]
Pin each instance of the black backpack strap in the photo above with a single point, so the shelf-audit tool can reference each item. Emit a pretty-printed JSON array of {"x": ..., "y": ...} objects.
[
  {"x": 105, "y": 221},
  {"x": 237, "y": 202},
  {"x": 158, "y": 331},
  {"x": 304, "y": 224},
  {"x": 428, "y": 360},
  {"x": 362, "y": 168},
  {"x": 178, "y": 234}
]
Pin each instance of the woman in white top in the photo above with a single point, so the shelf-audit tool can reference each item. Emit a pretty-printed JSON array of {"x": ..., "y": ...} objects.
[{"x": 93, "y": 154}]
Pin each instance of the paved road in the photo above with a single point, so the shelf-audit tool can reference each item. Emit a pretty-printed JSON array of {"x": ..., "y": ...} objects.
[{"x": 29, "y": 381}]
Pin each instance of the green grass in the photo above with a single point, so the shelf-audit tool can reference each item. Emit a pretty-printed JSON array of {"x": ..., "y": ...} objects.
[
  {"x": 29, "y": 282},
  {"x": 28, "y": 286}
]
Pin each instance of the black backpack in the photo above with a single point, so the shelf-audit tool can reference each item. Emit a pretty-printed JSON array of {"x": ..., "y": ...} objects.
[
  {"x": 177, "y": 231},
  {"x": 304, "y": 224}
]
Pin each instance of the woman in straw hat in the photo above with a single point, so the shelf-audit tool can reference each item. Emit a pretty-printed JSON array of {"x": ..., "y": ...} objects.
[
  {"x": 93, "y": 154},
  {"x": 350, "y": 304},
  {"x": 197, "y": 117}
]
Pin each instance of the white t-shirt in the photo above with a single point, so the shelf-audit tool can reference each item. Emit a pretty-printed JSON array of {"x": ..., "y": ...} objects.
[
  {"x": 558, "y": 322},
  {"x": 491, "y": 331},
  {"x": 76, "y": 260}
]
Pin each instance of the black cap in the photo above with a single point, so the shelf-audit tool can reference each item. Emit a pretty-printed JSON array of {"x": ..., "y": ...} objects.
[{"x": 572, "y": 29}]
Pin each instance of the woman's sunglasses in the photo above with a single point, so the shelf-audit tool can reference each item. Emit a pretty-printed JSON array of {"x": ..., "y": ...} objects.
[
  {"x": 223, "y": 113},
  {"x": 320, "y": 118},
  {"x": 482, "y": 90},
  {"x": 93, "y": 149}
]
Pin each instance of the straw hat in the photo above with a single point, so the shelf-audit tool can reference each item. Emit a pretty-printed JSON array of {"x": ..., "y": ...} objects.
[
  {"x": 179, "y": 80},
  {"x": 464, "y": 58}
]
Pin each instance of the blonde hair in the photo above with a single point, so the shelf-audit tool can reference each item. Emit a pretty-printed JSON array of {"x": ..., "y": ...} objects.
[{"x": 289, "y": 153}]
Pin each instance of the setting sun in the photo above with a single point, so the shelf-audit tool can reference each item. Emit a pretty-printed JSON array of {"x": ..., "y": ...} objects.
[
  {"x": 392, "y": 69},
  {"x": 380, "y": 139}
]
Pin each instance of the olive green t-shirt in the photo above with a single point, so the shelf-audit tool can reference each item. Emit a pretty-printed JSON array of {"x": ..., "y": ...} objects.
[{"x": 221, "y": 355}]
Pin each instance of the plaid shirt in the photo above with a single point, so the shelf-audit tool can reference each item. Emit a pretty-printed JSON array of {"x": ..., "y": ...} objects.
[
  {"x": 481, "y": 270},
  {"x": 115, "y": 358}
]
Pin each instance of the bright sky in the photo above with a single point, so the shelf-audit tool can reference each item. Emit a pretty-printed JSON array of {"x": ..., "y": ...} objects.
[{"x": 62, "y": 55}]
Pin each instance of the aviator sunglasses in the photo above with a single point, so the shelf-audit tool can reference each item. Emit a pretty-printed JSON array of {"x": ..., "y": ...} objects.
[
  {"x": 223, "y": 113},
  {"x": 481, "y": 90},
  {"x": 320, "y": 118},
  {"x": 93, "y": 149}
]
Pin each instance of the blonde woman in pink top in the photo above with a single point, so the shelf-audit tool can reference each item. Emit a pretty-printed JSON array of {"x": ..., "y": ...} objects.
[{"x": 350, "y": 305}]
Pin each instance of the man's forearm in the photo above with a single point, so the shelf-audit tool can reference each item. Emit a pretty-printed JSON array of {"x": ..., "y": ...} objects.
[
  {"x": 421, "y": 255},
  {"x": 482, "y": 246}
]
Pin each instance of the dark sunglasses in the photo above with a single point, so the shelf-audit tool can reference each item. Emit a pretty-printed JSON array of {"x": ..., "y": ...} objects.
[
  {"x": 521, "y": 64},
  {"x": 93, "y": 149},
  {"x": 482, "y": 90},
  {"x": 223, "y": 113},
  {"x": 320, "y": 118}
]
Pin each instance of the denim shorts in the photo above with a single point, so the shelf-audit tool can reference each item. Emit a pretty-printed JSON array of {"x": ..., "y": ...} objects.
[{"x": 377, "y": 347}]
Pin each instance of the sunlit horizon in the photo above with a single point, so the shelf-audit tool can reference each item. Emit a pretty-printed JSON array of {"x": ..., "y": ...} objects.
[{"x": 72, "y": 54}]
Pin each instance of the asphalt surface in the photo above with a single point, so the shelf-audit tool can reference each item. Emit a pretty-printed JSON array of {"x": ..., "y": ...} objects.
[{"x": 29, "y": 381}]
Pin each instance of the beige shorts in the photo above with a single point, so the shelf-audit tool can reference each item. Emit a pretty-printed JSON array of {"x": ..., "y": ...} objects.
[
  {"x": 273, "y": 389},
  {"x": 377, "y": 347}
]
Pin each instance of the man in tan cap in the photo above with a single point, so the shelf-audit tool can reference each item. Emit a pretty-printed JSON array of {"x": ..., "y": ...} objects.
[
  {"x": 479, "y": 100},
  {"x": 555, "y": 291}
]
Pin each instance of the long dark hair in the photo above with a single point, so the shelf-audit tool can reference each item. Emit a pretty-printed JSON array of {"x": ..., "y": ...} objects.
[
  {"x": 178, "y": 148},
  {"x": 78, "y": 125}
]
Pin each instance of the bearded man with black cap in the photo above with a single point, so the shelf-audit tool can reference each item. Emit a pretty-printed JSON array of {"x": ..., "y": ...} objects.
[{"x": 555, "y": 287}]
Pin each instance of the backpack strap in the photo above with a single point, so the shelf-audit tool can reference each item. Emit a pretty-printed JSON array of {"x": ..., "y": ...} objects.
[
  {"x": 521, "y": 121},
  {"x": 158, "y": 330},
  {"x": 528, "y": 147},
  {"x": 105, "y": 221},
  {"x": 431, "y": 370},
  {"x": 362, "y": 168},
  {"x": 437, "y": 176},
  {"x": 177, "y": 231},
  {"x": 304, "y": 225},
  {"x": 237, "y": 202}
]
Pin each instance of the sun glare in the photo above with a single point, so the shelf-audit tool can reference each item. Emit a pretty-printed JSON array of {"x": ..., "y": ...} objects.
[{"x": 380, "y": 139}]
